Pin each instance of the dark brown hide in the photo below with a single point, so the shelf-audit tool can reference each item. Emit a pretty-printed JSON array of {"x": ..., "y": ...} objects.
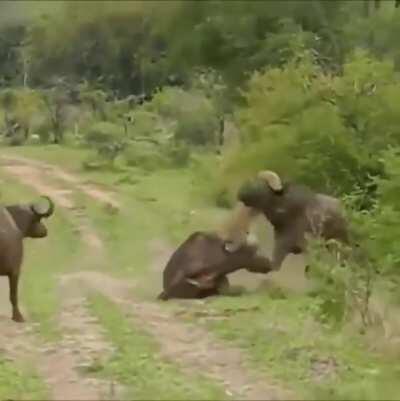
[
  {"x": 294, "y": 213},
  {"x": 16, "y": 223},
  {"x": 203, "y": 259}
]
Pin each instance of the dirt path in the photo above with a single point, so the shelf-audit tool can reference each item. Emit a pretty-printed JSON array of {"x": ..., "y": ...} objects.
[
  {"x": 48, "y": 169},
  {"x": 82, "y": 343},
  {"x": 192, "y": 347},
  {"x": 57, "y": 362}
]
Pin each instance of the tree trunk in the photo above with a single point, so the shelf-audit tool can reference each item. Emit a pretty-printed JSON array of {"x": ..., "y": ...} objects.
[{"x": 366, "y": 8}]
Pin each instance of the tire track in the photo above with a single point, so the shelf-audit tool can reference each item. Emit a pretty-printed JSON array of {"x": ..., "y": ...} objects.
[
  {"x": 82, "y": 343},
  {"x": 193, "y": 348}
]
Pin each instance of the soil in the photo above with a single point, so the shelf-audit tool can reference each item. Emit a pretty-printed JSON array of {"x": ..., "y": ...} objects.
[{"x": 83, "y": 343}]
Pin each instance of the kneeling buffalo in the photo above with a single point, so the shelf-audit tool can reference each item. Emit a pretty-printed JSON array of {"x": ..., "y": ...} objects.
[
  {"x": 200, "y": 265},
  {"x": 16, "y": 223}
]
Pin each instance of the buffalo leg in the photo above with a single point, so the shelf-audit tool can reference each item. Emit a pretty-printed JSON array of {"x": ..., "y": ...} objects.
[
  {"x": 16, "y": 314},
  {"x": 279, "y": 254},
  {"x": 223, "y": 285},
  {"x": 259, "y": 264}
]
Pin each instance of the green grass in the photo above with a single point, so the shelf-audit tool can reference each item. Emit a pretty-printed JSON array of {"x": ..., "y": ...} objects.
[
  {"x": 283, "y": 339},
  {"x": 137, "y": 363},
  {"x": 68, "y": 157},
  {"x": 154, "y": 205},
  {"x": 19, "y": 383},
  {"x": 44, "y": 260}
]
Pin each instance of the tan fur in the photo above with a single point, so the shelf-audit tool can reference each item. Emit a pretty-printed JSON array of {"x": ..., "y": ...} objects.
[
  {"x": 236, "y": 228},
  {"x": 272, "y": 179}
]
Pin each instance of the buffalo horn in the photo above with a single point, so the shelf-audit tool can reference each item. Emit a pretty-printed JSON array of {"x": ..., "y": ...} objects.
[
  {"x": 272, "y": 179},
  {"x": 48, "y": 212}
]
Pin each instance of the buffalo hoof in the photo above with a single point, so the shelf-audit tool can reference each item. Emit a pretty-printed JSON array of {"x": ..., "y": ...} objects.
[
  {"x": 236, "y": 291},
  {"x": 18, "y": 318},
  {"x": 223, "y": 286}
]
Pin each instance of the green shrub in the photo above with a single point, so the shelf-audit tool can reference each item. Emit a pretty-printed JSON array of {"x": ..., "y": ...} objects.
[
  {"x": 193, "y": 112},
  {"x": 223, "y": 199},
  {"x": 374, "y": 264},
  {"x": 323, "y": 130},
  {"x": 107, "y": 138},
  {"x": 339, "y": 134},
  {"x": 146, "y": 123},
  {"x": 178, "y": 154},
  {"x": 20, "y": 106},
  {"x": 146, "y": 155},
  {"x": 196, "y": 129}
]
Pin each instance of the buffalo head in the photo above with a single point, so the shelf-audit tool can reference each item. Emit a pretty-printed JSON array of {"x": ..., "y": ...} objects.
[
  {"x": 28, "y": 218},
  {"x": 257, "y": 193}
]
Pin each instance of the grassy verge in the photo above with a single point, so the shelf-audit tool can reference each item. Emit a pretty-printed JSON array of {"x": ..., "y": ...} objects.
[
  {"x": 146, "y": 198},
  {"x": 283, "y": 338},
  {"x": 44, "y": 259},
  {"x": 137, "y": 365},
  {"x": 20, "y": 384}
]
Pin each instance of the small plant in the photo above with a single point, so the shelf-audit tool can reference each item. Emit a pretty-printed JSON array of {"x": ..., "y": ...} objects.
[
  {"x": 144, "y": 154},
  {"x": 223, "y": 199},
  {"x": 108, "y": 139},
  {"x": 178, "y": 154}
]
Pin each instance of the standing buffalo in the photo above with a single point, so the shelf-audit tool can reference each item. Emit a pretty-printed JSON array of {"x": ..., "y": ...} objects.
[
  {"x": 16, "y": 223},
  {"x": 198, "y": 268},
  {"x": 294, "y": 211}
]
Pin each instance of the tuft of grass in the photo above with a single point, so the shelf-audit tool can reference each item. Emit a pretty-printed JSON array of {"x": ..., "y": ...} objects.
[
  {"x": 137, "y": 363},
  {"x": 17, "y": 383},
  {"x": 283, "y": 339},
  {"x": 151, "y": 210}
]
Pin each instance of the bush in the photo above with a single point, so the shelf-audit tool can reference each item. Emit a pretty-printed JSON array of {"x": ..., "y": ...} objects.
[
  {"x": 196, "y": 129},
  {"x": 339, "y": 135},
  {"x": 21, "y": 106},
  {"x": 107, "y": 138},
  {"x": 323, "y": 130},
  {"x": 194, "y": 113},
  {"x": 145, "y": 124},
  {"x": 144, "y": 154},
  {"x": 343, "y": 284},
  {"x": 178, "y": 154},
  {"x": 374, "y": 265}
]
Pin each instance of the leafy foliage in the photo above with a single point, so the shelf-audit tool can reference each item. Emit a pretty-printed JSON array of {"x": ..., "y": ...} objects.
[
  {"x": 318, "y": 128},
  {"x": 311, "y": 86},
  {"x": 107, "y": 139}
]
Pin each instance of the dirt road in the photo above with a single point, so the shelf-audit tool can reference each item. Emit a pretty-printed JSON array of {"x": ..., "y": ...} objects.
[{"x": 192, "y": 348}]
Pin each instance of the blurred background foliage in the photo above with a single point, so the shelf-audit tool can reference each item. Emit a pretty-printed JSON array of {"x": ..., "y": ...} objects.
[{"x": 310, "y": 89}]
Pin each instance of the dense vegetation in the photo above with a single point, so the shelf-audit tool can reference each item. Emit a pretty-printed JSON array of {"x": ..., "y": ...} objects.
[{"x": 307, "y": 88}]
